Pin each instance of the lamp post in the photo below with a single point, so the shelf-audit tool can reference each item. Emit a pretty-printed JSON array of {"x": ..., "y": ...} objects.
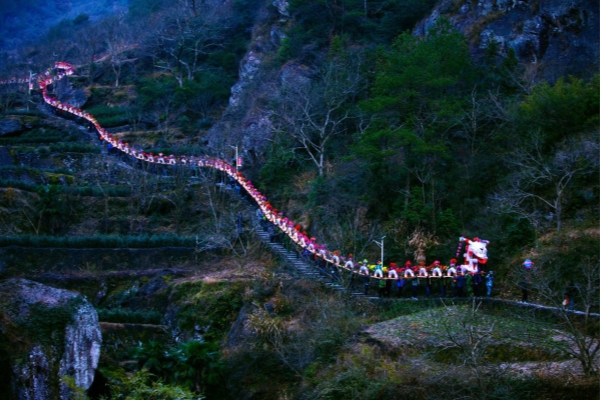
[{"x": 380, "y": 244}]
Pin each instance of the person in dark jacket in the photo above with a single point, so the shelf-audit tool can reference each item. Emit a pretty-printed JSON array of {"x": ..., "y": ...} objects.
[
  {"x": 524, "y": 285},
  {"x": 444, "y": 284},
  {"x": 366, "y": 284},
  {"x": 570, "y": 293},
  {"x": 415, "y": 288},
  {"x": 477, "y": 283},
  {"x": 460, "y": 284},
  {"x": 401, "y": 283}
]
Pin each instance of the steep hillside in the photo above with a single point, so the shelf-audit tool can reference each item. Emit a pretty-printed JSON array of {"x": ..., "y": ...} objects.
[
  {"x": 550, "y": 39},
  {"x": 383, "y": 129}
]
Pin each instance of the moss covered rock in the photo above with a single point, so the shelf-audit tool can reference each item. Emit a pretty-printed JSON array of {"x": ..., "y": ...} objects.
[{"x": 49, "y": 341}]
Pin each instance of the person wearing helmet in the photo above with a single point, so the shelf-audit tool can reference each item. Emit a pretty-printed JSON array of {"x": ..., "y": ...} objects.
[
  {"x": 349, "y": 263},
  {"x": 452, "y": 269},
  {"x": 378, "y": 270},
  {"x": 392, "y": 272},
  {"x": 364, "y": 269}
]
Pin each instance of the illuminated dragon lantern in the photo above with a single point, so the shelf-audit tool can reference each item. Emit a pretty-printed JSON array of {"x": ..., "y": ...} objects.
[{"x": 475, "y": 253}]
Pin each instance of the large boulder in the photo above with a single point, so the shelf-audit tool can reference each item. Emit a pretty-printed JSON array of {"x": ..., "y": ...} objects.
[{"x": 49, "y": 341}]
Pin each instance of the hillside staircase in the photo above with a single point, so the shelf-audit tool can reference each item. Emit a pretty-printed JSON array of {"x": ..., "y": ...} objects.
[{"x": 294, "y": 260}]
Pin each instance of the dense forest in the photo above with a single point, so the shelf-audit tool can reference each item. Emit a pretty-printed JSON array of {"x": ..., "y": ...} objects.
[{"x": 359, "y": 120}]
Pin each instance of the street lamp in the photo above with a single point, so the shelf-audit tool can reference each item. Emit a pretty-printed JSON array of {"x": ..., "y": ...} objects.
[{"x": 380, "y": 244}]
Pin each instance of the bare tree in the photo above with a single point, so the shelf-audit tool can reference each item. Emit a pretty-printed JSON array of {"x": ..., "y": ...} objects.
[
  {"x": 472, "y": 335},
  {"x": 539, "y": 185},
  {"x": 479, "y": 121},
  {"x": 349, "y": 229},
  {"x": 164, "y": 114},
  {"x": 119, "y": 41},
  {"x": 313, "y": 110},
  {"x": 576, "y": 332},
  {"x": 11, "y": 95},
  {"x": 295, "y": 342},
  {"x": 89, "y": 43},
  {"x": 179, "y": 44}
]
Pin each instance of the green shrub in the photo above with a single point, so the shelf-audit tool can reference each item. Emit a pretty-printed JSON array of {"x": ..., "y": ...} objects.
[
  {"x": 140, "y": 386},
  {"x": 74, "y": 148},
  {"x": 119, "y": 315},
  {"x": 33, "y": 113},
  {"x": 9, "y": 183},
  {"x": 36, "y": 171},
  {"x": 109, "y": 116},
  {"x": 39, "y": 135},
  {"x": 86, "y": 191},
  {"x": 215, "y": 305},
  {"x": 98, "y": 241}
]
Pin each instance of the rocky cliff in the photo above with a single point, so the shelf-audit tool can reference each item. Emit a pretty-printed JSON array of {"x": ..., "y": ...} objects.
[
  {"x": 49, "y": 341},
  {"x": 555, "y": 37},
  {"x": 550, "y": 38},
  {"x": 245, "y": 122}
]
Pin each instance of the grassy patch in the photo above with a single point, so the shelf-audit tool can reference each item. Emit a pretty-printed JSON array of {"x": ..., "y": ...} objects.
[{"x": 450, "y": 330}]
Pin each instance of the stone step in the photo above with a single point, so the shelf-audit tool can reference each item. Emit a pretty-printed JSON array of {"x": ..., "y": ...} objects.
[{"x": 305, "y": 269}]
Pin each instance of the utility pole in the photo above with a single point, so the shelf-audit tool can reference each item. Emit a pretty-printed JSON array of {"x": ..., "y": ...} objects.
[
  {"x": 380, "y": 244},
  {"x": 237, "y": 167},
  {"x": 30, "y": 87}
]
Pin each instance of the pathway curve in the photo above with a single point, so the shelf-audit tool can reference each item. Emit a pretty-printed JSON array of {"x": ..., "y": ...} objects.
[{"x": 287, "y": 226}]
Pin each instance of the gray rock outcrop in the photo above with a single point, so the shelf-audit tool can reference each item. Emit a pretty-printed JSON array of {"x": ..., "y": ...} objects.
[
  {"x": 66, "y": 94},
  {"x": 8, "y": 126},
  {"x": 550, "y": 38},
  {"x": 51, "y": 338},
  {"x": 246, "y": 121},
  {"x": 558, "y": 37}
]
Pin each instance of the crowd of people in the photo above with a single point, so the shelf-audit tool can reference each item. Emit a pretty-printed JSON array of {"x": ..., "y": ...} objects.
[
  {"x": 408, "y": 280},
  {"x": 459, "y": 278}
]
